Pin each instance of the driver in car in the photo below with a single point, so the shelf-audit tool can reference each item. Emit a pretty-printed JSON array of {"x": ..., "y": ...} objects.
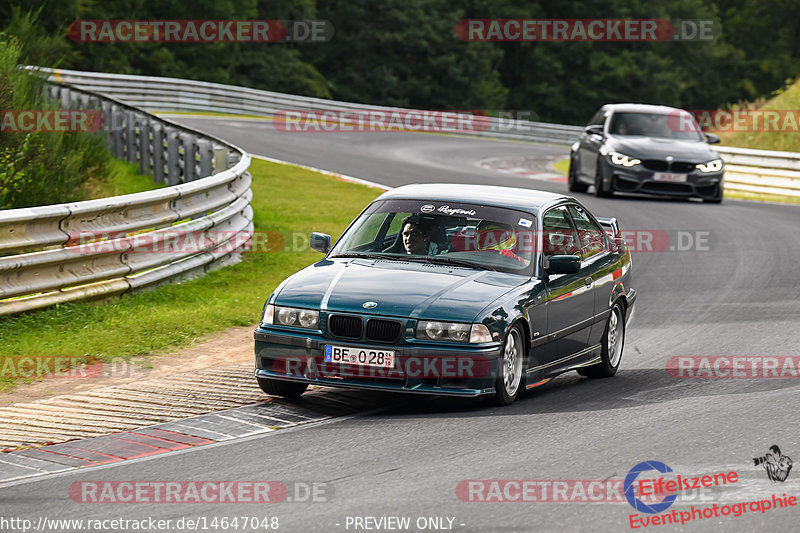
[
  {"x": 498, "y": 237},
  {"x": 416, "y": 235}
]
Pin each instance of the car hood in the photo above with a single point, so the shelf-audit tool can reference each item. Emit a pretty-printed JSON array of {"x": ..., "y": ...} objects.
[
  {"x": 401, "y": 289},
  {"x": 652, "y": 148}
]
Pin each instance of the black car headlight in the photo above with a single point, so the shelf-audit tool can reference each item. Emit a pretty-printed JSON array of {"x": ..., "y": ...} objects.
[
  {"x": 290, "y": 316},
  {"x": 433, "y": 330},
  {"x": 624, "y": 160},
  {"x": 712, "y": 166}
]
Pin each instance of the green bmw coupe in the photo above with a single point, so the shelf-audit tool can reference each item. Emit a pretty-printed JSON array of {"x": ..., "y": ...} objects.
[{"x": 460, "y": 290}]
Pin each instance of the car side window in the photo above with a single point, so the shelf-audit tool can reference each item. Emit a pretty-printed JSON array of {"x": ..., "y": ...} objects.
[
  {"x": 591, "y": 236},
  {"x": 598, "y": 119},
  {"x": 558, "y": 234}
]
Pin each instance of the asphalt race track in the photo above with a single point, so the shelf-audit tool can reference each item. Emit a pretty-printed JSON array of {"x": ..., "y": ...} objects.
[{"x": 729, "y": 287}]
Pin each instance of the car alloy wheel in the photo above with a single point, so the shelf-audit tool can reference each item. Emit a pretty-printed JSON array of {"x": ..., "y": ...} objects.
[
  {"x": 509, "y": 368},
  {"x": 615, "y": 336},
  {"x": 611, "y": 347}
]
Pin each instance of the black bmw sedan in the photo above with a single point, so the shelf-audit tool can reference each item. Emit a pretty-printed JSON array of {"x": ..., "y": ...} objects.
[{"x": 648, "y": 149}]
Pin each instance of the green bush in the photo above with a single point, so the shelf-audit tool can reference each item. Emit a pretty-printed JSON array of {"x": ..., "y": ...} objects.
[{"x": 41, "y": 168}]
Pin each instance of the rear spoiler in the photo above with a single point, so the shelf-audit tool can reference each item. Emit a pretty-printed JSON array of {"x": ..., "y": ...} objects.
[{"x": 611, "y": 225}]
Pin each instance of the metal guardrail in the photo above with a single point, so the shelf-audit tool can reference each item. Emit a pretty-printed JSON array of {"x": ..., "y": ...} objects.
[
  {"x": 82, "y": 250},
  {"x": 173, "y": 94},
  {"x": 757, "y": 171},
  {"x": 761, "y": 171}
]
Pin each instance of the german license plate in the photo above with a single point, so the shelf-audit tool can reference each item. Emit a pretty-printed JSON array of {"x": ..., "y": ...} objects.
[
  {"x": 359, "y": 356},
  {"x": 669, "y": 176}
]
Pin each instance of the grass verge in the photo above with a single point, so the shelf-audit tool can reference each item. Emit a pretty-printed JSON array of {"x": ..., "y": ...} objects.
[
  {"x": 124, "y": 178},
  {"x": 288, "y": 200},
  {"x": 783, "y": 137}
]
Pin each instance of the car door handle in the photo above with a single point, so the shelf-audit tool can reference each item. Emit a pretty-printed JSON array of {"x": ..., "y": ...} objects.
[{"x": 588, "y": 282}]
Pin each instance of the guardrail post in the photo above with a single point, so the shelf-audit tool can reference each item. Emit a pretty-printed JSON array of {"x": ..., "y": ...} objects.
[
  {"x": 173, "y": 157},
  {"x": 131, "y": 136},
  {"x": 158, "y": 152},
  {"x": 206, "y": 153},
  {"x": 220, "y": 159},
  {"x": 108, "y": 125},
  {"x": 117, "y": 131},
  {"x": 65, "y": 98},
  {"x": 189, "y": 150},
  {"x": 144, "y": 146}
]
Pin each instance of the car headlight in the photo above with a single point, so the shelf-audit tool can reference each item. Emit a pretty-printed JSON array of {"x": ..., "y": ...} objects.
[
  {"x": 711, "y": 166},
  {"x": 290, "y": 316},
  {"x": 624, "y": 160},
  {"x": 431, "y": 330}
]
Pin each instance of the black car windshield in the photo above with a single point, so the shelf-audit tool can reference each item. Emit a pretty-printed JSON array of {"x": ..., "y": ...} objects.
[
  {"x": 458, "y": 234},
  {"x": 678, "y": 125}
]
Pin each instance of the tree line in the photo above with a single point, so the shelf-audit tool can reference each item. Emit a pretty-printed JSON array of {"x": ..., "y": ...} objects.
[{"x": 408, "y": 52}]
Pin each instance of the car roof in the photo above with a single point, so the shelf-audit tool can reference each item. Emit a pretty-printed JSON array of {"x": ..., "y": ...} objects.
[
  {"x": 642, "y": 108},
  {"x": 531, "y": 200}
]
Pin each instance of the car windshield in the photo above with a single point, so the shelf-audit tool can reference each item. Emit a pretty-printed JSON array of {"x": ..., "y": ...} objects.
[
  {"x": 678, "y": 125},
  {"x": 449, "y": 233}
]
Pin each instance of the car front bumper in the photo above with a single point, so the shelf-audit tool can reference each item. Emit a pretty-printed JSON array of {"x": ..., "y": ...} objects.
[
  {"x": 447, "y": 370},
  {"x": 706, "y": 185}
]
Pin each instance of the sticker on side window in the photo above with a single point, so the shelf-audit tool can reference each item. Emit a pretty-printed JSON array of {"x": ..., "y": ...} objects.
[{"x": 525, "y": 223}]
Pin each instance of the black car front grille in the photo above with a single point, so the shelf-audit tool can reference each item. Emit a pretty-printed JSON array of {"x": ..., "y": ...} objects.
[
  {"x": 348, "y": 327},
  {"x": 682, "y": 166},
  {"x": 383, "y": 330},
  {"x": 658, "y": 165},
  {"x": 655, "y": 164}
]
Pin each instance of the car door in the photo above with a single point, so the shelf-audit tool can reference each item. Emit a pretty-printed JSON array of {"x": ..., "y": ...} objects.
[
  {"x": 597, "y": 262},
  {"x": 569, "y": 300},
  {"x": 590, "y": 144}
]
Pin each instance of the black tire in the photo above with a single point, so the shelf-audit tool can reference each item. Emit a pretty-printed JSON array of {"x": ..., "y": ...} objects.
[
  {"x": 287, "y": 389},
  {"x": 508, "y": 386},
  {"x": 573, "y": 184},
  {"x": 598, "y": 185},
  {"x": 610, "y": 356}
]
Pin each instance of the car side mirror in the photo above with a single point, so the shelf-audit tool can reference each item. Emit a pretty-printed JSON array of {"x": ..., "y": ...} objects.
[
  {"x": 320, "y": 242},
  {"x": 711, "y": 138},
  {"x": 594, "y": 130},
  {"x": 564, "y": 264}
]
